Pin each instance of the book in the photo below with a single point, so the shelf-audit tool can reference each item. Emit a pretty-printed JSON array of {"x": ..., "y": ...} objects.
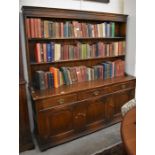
[
  {"x": 46, "y": 29},
  {"x": 38, "y": 53},
  {"x": 40, "y": 80},
  {"x": 49, "y": 52},
  {"x": 32, "y": 31},
  {"x": 28, "y": 31},
  {"x": 44, "y": 52},
  {"x": 65, "y": 75},
  {"x": 57, "y": 52},
  {"x": 112, "y": 31}
]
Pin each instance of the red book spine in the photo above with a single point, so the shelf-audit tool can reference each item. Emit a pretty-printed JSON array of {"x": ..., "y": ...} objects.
[
  {"x": 78, "y": 73},
  {"x": 36, "y": 27},
  {"x": 110, "y": 50},
  {"x": 39, "y": 28},
  {"x": 95, "y": 31},
  {"x": 38, "y": 52},
  {"x": 28, "y": 33},
  {"x": 32, "y": 27}
]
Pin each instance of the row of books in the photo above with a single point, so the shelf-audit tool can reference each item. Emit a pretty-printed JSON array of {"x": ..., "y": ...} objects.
[
  {"x": 50, "y": 52},
  {"x": 55, "y": 77},
  {"x": 38, "y": 28}
]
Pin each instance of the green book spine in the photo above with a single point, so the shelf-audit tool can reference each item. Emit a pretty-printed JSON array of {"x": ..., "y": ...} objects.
[{"x": 112, "y": 29}]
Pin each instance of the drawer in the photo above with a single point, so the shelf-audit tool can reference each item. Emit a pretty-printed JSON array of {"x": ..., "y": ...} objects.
[
  {"x": 95, "y": 92},
  {"x": 55, "y": 101},
  {"x": 126, "y": 85}
]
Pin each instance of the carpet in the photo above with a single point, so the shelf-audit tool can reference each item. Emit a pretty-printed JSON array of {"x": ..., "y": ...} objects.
[{"x": 114, "y": 150}]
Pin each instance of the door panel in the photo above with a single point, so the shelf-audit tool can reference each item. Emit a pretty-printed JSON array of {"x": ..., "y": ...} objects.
[
  {"x": 96, "y": 110},
  {"x": 55, "y": 121},
  {"x": 121, "y": 98},
  {"x": 80, "y": 116}
]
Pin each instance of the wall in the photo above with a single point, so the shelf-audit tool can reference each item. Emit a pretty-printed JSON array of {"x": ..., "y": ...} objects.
[
  {"x": 130, "y": 9},
  {"x": 115, "y": 6}
]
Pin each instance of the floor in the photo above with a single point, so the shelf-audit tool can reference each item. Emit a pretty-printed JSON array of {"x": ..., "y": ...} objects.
[{"x": 87, "y": 145}]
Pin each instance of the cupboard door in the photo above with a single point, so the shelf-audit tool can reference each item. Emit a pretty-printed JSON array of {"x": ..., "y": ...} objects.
[
  {"x": 96, "y": 110},
  {"x": 55, "y": 122},
  {"x": 120, "y": 99},
  {"x": 109, "y": 108},
  {"x": 80, "y": 116}
]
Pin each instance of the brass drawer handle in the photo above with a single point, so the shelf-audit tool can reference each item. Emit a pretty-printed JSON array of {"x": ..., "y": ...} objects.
[
  {"x": 97, "y": 92},
  {"x": 123, "y": 86},
  {"x": 80, "y": 115},
  {"x": 61, "y": 101}
]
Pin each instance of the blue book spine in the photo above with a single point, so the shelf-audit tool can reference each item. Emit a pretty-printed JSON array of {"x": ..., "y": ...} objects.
[
  {"x": 66, "y": 28},
  {"x": 104, "y": 71},
  {"x": 48, "y": 52},
  {"x": 52, "y": 51},
  {"x": 50, "y": 80}
]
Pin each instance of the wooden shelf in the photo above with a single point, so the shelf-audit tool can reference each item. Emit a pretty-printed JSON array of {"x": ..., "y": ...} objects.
[
  {"x": 74, "y": 38},
  {"x": 81, "y": 86},
  {"x": 71, "y": 60}
]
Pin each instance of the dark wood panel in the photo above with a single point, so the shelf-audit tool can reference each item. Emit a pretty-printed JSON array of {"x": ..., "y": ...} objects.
[
  {"x": 72, "y": 14},
  {"x": 55, "y": 122}
]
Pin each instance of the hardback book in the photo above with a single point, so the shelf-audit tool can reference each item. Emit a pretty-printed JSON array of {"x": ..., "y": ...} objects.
[
  {"x": 55, "y": 72},
  {"x": 28, "y": 31},
  {"x": 61, "y": 29},
  {"x": 35, "y": 27},
  {"x": 78, "y": 73},
  {"x": 108, "y": 30},
  {"x": 32, "y": 28},
  {"x": 88, "y": 72},
  {"x": 65, "y": 75},
  {"x": 112, "y": 31},
  {"x": 38, "y": 52},
  {"x": 103, "y": 30},
  {"x": 57, "y": 52},
  {"x": 49, "y": 52},
  {"x": 69, "y": 76},
  {"x": 46, "y": 29},
  {"x": 73, "y": 75},
  {"x": 89, "y": 30},
  {"x": 50, "y": 79},
  {"x": 65, "y": 52},
  {"x": 41, "y": 53},
  {"x": 40, "y": 80},
  {"x": 115, "y": 48},
  {"x": 61, "y": 80},
  {"x": 44, "y": 52},
  {"x": 119, "y": 68},
  {"x": 39, "y": 28}
]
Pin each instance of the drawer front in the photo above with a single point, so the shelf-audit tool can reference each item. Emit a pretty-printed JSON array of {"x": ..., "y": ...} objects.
[
  {"x": 93, "y": 93},
  {"x": 46, "y": 104},
  {"x": 126, "y": 85}
]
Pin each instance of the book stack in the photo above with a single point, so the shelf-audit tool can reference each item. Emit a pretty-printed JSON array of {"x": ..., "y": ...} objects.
[
  {"x": 50, "y": 79},
  {"x": 50, "y": 52},
  {"x": 38, "y": 28},
  {"x": 33, "y": 27},
  {"x": 55, "y": 77}
]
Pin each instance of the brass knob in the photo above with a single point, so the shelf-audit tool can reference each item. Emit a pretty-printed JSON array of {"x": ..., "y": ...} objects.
[
  {"x": 61, "y": 101},
  {"x": 123, "y": 86},
  {"x": 96, "y": 92}
]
